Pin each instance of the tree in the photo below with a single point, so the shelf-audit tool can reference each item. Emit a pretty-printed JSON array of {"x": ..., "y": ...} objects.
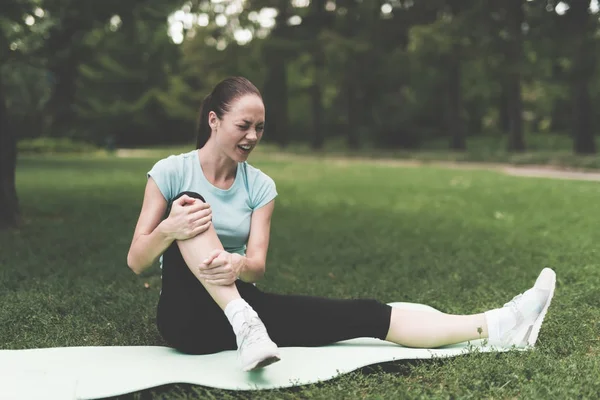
[
  {"x": 12, "y": 13},
  {"x": 9, "y": 206},
  {"x": 317, "y": 21},
  {"x": 59, "y": 47},
  {"x": 276, "y": 93},
  {"x": 515, "y": 18},
  {"x": 583, "y": 27},
  {"x": 457, "y": 11},
  {"x": 121, "y": 85}
]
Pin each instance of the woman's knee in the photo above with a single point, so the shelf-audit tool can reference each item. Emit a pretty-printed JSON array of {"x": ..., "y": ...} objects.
[
  {"x": 185, "y": 193},
  {"x": 190, "y": 194}
]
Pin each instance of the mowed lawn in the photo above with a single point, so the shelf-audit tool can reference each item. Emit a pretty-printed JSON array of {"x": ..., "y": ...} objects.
[{"x": 460, "y": 241}]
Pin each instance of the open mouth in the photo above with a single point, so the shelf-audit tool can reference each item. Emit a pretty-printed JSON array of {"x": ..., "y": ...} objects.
[{"x": 245, "y": 148}]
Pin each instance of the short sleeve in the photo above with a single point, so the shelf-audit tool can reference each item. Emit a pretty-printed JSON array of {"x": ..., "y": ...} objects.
[
  {"x": 264, "y": 191},
  {"x": 165, "y": 174}
]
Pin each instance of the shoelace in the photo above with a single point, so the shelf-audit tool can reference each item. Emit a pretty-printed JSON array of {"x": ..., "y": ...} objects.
[
  {"x": 513, "y": 304},
  {"x": 252, "y": 330}
]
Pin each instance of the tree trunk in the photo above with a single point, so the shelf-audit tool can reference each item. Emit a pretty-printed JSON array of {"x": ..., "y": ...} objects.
[
  {"x": 276, "y": 86},
  {"x": 59, "y": 109},
  {"x": 318, "y": 137},
  {"x": 559, "y": 116},
  {"x": 64, "y": 50},
  {"x": 353, "y": 114},
  {"x": 514, "y": 58},
  {"x": 584, "y": 64},
  {"x": 276, "y": 97},
  {"x": 515, "y": 113},
  {"x": 503, "y": 114},
  {"x": 583, "y": 134},
  {"x": 9, "y": 206},
  {"x": 475, "y": 122},
  {"x": 455, "y": 123}
]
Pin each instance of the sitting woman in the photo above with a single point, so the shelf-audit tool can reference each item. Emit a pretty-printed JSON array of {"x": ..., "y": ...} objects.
[{"x": 208, "y": 213}]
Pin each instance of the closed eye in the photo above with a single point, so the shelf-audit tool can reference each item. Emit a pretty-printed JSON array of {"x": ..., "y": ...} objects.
[{"x": 246, "y": 127}]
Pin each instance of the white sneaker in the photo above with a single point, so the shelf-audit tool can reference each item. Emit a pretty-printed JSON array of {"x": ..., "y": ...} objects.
[
  {"x": 255, "y": 347},
  {"x": 529, "y": 310}
]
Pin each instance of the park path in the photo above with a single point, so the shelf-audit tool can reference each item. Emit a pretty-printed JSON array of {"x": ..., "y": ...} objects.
[{"x": 532, "y": 171}]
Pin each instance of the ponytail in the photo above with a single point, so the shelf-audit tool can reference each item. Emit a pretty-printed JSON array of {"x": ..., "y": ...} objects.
[{"x": 203, "y": 126}]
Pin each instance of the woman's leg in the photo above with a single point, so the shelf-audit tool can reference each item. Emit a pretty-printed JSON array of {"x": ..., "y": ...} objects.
[
  {"x": 314, "y": 321},
  {"x": 307, "y": 321},
  {"x": 189, "y": 320},
  {"x": 197, "y": 249},
  {"x": 256, "y": 347},
  {"x": 517, "y": 323},
  {"x": 429, "y": 329}
]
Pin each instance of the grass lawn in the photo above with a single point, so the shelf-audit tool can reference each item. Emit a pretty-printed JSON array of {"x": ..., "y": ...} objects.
[{"x": 460, "y": 241}]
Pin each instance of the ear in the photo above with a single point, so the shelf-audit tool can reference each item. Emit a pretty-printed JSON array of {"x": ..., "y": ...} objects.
[{"x": 213, "y": 120}]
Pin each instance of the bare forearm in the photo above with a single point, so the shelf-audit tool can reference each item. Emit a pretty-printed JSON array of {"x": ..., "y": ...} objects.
[
  {"x": 147, "y": 248},
  {"x": 253, "y": 269}
]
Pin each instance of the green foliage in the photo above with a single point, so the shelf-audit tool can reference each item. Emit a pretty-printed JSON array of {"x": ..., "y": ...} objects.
[
  {"x": 28, "y": 90},
  {"x": 461, "y": 241},
  {"x": 24, "y": 76},
  {"x": 385, "y": 75},
  {"x": 129, "y": 91}
]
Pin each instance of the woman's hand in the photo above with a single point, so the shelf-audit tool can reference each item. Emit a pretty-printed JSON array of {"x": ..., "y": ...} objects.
[
  {"x": 188, "y": 217},
  {"x": 221, "y": 268}
]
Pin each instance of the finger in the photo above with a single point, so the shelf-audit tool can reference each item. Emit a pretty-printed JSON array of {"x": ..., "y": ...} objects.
[
  {"x": 220, "y": 282},
  {"x": 212, "y": 256},
  {"x": 198, "y": 206},
  {"x": 196, "y": 222},
  {"x": 183, "y": 200},
  {"x": 207, "y": 275},
  {"x": 216, "y": 253},
  {"x": 216, "y": 274},
  {"x": 216, "y": 263},
  {"x": 202, "y": 228},
  {"x": 201, "y": 215},
  {"x": 203, "y": 205},
  {"x": 202, "y": 221}
]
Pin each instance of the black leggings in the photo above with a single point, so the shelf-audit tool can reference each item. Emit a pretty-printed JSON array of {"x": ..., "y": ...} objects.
[{"x": 192, "y": 322}]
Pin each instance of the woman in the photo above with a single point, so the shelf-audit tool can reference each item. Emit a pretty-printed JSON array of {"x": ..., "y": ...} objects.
[{"x": 209, "y": 212}]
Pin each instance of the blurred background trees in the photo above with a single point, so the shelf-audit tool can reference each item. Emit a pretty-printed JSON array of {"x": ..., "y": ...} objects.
[
  {"x": 394, "y": 74},
  {"x": 376, "y": 73},
  {"x": 389, "y": 73}
]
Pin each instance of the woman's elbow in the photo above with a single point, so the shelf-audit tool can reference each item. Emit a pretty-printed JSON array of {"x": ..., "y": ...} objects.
[{"x": 134, "y": 265}]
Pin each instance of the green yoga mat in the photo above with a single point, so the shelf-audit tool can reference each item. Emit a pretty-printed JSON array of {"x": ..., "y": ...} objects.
[{"x": 96, "y": 372}]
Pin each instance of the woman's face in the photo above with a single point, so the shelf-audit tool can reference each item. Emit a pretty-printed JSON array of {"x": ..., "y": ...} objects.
[{"x": 240, "y": 129}]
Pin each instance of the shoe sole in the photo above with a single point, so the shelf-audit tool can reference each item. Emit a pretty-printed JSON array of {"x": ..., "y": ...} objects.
[
  {"x": 262, "y": 363},
  {"x": 537, "y": 325}
]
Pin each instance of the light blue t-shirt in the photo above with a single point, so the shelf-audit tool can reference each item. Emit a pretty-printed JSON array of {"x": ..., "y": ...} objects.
[{"x": 231, "y": 209}]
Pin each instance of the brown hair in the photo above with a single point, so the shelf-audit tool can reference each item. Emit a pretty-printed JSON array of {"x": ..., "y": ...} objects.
[{"x": 219, "y": 101}]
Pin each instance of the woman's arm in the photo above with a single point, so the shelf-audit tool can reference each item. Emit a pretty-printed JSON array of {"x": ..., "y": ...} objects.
[
  {"x": 148, "y": 242},
  {"x": 152, "y": 236},
  {"x": 253, "y": 264}
]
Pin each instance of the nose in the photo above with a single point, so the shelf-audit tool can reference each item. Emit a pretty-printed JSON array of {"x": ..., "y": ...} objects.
[{"x": 251, "y": 135}]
